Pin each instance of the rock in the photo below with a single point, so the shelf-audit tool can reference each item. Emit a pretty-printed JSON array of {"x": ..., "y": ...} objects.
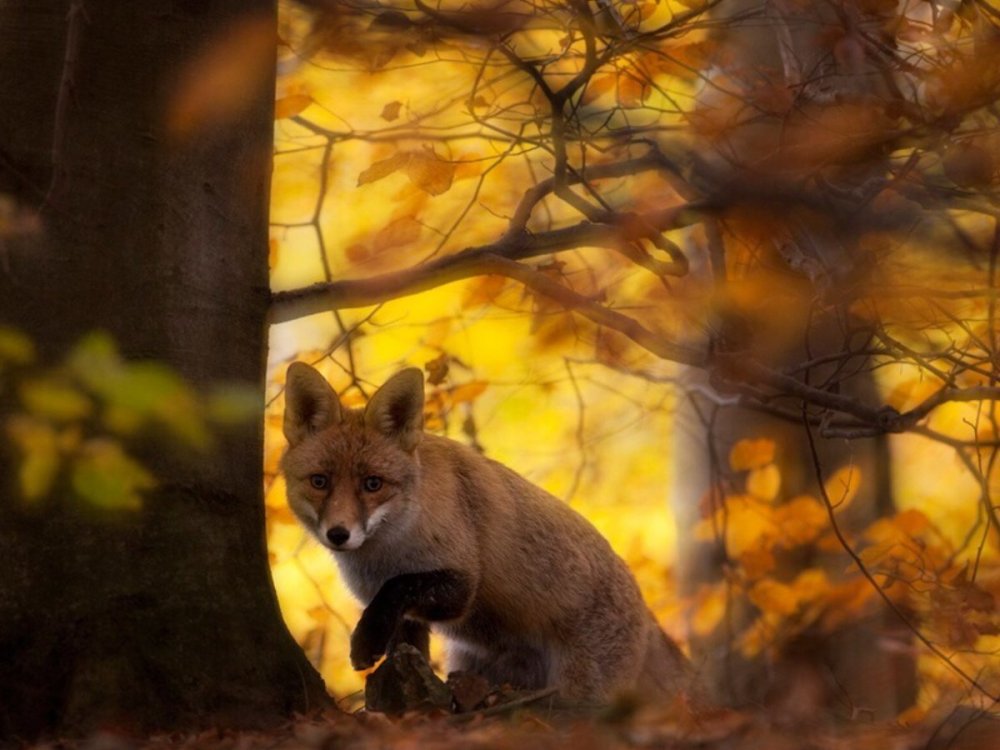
[
  {"x": 405, "y": 682},
  {"x": 469, "y": 690}
]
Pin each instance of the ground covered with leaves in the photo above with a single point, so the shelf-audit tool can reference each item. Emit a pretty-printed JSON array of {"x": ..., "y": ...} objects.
[
  {"x": 408, "y": 707},
  {"x": 537, "y": 725}
]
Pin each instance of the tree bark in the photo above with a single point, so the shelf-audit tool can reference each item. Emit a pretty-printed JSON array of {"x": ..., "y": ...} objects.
[{"x": 165, "y": 617}]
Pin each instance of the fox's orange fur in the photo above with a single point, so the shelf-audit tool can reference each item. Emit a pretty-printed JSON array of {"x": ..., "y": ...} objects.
[{"x": 524, "y": 589}]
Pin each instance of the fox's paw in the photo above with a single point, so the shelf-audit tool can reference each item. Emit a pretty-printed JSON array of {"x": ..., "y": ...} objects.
[{"x": 370, "y": 640}]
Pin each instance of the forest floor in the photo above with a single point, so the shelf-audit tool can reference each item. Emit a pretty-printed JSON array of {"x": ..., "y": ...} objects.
[
  {"x": 531, "y": 727},
  {"x": 409, "y": 708}
]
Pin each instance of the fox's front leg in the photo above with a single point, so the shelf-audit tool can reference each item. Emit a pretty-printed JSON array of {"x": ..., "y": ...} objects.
[{"x": 431, "y": 596}]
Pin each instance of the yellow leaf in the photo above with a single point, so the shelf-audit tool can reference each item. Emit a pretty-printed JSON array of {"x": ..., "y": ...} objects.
[
  {"x": 772, "y": 596},
  {"x": 911, "y": 392},
  {"x": 436, "y": 333},
  {"x": 758, "y": 636},
  {"x": 751, "y": 454},
  {"x": 291, "y": 105},
  {"x": 745, "y": 520},
  {"x": 107, "y": 478},
  {"x": 384, "y": 168},
  {"x": 40, "y": 455},
  {"x": 842, "y": 486},
  {"x": 55, "y": 399},
  {"x": 764, "y": 482},
  {"x": 467, "y": 391},
  {"x": 811, "y": 584},
  {"x": 709, "y": 609}
]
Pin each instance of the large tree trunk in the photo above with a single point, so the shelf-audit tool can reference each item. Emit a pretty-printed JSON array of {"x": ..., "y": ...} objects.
[{"x": 164, "y": 617}]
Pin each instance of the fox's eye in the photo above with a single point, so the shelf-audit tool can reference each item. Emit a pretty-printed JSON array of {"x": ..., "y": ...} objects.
[
  {"x": 318, "y": 481},
  {"x": 372, "y": 484}
]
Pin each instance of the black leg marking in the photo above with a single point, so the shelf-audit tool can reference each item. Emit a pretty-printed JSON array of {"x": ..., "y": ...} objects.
[
  {"x": 415, "y": 633},
  {"x": 435, "y": 595}
]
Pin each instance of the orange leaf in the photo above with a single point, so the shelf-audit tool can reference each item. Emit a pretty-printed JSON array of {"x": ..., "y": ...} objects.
[
  {"x": 430, "y": 173},
  {"x": 291, "y": 105},
  {"x": 772, "y": 596},
  {"x": 751, "y": 454},
  {"x": 911, "y": 522},
  {"x": 467, "y": 391},
  {"x": 757, "y": 562},
  {"x": 482, "y": 291},
  {"x": 842, "y": 487},
  {"x": 398, "y": 233},
  {"x": 631, "y": 91},
  {"x": 273, "y": 248},
  {"x": 599, "y": 85},
  {"x": 223, "y": 79},
  {"x": 800, "y": 520}
]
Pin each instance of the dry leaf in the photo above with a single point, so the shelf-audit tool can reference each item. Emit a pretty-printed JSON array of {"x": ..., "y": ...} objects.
[
  {"x": 390, "y": 111},
  {"x": 430, "y": 173},
  {"x": 384, "y": 168}
]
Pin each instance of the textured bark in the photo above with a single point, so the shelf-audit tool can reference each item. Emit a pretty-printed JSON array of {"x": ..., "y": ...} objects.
[{"x": 165, "y": 617}]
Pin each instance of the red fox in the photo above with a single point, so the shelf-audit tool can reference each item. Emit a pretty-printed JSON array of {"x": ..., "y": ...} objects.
[{"x": 428, "y": 532}]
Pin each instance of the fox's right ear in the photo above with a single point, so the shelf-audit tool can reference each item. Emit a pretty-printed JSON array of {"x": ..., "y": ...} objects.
[{"x": 311, "y": 404}]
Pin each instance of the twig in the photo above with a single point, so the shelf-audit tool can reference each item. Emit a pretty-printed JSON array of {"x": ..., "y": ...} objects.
[
  {"x": 503, "y": 708},
  {"x": 835, "y": 525}
]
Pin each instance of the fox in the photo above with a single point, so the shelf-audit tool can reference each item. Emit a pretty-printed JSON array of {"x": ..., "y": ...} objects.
[{"x": 429, "y": 534}]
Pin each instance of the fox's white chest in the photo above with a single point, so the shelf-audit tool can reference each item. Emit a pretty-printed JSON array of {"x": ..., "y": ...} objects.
[{"x": 365, "y": 570}]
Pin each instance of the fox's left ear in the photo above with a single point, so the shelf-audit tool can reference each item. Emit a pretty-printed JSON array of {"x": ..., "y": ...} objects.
[
  {"x": 311, "y": 405},
  {"x": 397, "y": 408}
]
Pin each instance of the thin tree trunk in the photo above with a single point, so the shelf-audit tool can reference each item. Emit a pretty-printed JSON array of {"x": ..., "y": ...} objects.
[
  {"x": 783, "y": 63},
  {"x": 164, "y": 617}
]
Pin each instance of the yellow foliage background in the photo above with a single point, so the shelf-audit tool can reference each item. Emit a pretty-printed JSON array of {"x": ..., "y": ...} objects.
[{"x": 528, "y": 382}]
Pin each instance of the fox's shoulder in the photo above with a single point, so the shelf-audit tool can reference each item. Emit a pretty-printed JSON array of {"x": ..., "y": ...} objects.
[
  {"x": 446, "y": 461},
  {"x": 466, "y": 479}
]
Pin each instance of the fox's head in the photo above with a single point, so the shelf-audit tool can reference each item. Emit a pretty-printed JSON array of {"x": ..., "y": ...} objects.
[{"x": 351, "y": 472}]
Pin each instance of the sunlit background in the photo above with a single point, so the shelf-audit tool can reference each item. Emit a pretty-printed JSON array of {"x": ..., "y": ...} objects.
[{"x": 384, "y": 160}]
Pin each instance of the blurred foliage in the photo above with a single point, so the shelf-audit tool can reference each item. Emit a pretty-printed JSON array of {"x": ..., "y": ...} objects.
[
  {"x": 72, "y": 423},
  {"x": 950, "y": 593},
  {"x": 664, "y": 194}
]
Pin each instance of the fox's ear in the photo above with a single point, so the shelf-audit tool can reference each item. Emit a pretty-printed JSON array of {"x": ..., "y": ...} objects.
[
  {"x": 311, "y": 404},
  {"x": 397, "y": 408}
]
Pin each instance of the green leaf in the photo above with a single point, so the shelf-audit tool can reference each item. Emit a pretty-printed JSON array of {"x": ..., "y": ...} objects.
[
  {"x": 234, "y": 403},
  {"x": 96, "y": 362},
  {"x": 104, "y": 476},
  {"x": 55, "y": 399},
  {"x": 15, "y": 347}
]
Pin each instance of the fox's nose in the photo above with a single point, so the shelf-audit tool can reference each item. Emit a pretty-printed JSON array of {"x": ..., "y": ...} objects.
[{"x": 338, "y": 535}]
